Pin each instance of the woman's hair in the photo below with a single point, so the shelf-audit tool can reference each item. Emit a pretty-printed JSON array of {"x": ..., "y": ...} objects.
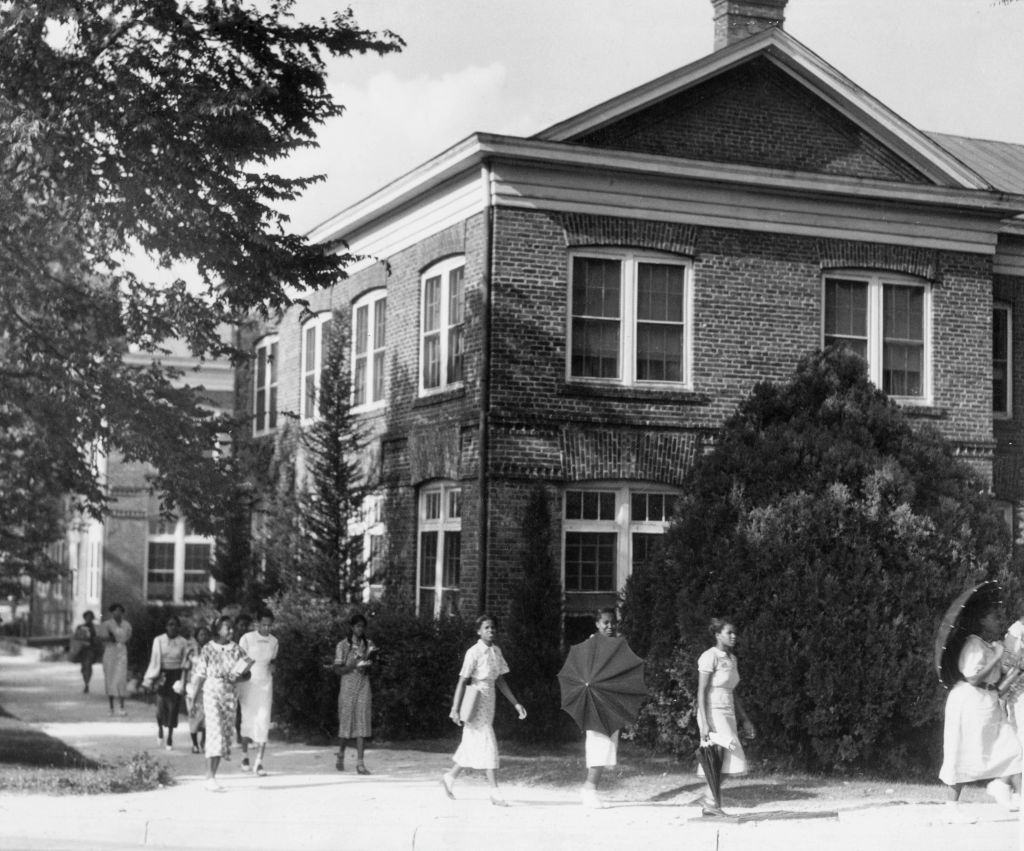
[
  {"x": 352, "y": 621},
  {"x": 264, "y": 613},
  {"x": 718, "y": 624},
  {"x": 221, "y": 620},
  {"x": 974, "y": 615},
  {"x": 604, "y": 610},
  {"x": 175, "y": 620},
  {"x": 113, "y": 607},
  {"x": 88, "y": 615},
  {"x": 202, "y": 628},
  {"x": 480, "y": 621}
]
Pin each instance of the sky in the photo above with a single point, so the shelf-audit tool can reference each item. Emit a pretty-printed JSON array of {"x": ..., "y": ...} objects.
[{"x": 518, "y": 66}]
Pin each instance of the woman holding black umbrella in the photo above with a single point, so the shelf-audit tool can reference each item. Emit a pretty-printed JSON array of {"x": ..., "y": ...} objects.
[
  {"x": 717, "y": 712},
  {"x": 978, "y": 742}
]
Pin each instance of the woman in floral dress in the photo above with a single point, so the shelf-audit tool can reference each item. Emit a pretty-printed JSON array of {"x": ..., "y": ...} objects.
[
  {"x": 353, "y": 659},
  {"x": 483, "y": 669},
  {"x": 218, "y": 667}
]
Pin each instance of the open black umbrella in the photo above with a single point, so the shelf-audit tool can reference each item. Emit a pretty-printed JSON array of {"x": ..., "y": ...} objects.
[
  {"x": 602, "y": 684},
  {"x": 952, "y": 634}
]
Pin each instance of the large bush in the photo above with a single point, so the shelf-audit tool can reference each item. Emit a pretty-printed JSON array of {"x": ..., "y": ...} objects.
[
  {"x": 835, "y": 534},
  {"x": 413, "y": 682}
]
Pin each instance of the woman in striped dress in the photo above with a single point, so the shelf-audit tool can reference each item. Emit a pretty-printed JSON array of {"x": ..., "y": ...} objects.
[{"x": 216, "y": 671}]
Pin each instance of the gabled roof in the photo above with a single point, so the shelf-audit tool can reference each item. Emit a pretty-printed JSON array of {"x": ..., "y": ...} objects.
[
  {"x": 1000, "y": 163},
  {"x": 778, "y": 47}
]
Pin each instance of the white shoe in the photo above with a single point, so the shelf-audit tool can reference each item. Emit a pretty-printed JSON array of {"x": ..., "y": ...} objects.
[
  {"x": 213, "y": 786},
  {"x": 590, "y": 799},
  {"x": 1000, "y": 790},
  {"x": 956, "y": 815}
]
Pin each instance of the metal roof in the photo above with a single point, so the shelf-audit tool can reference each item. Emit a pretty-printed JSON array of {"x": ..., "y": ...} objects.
[{"x": 1000, "y": 163}]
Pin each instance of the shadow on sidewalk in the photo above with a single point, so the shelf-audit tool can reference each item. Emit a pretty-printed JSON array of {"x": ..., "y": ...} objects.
[{"x": 23, "y": 745}]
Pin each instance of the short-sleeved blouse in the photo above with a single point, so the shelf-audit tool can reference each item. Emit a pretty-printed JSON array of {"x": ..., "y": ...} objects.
[
  {"x": 483, "y": 664},
  {"x": 975, "y": 655},
  {"x": 722, "y": 667},
  {"x": 217, "y": 660}
]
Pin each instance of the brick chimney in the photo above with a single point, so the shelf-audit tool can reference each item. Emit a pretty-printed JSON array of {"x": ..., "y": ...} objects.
[{"x": 736, "y": 20}]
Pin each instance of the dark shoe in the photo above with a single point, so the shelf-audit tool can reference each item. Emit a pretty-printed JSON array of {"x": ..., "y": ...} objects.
[
  {"x": 711, "y": 811},
  {"x": 339, "y": 763},
  {"x": 195, "y": 749},
  {"x": 361, "y": 769},
  {"x": 447, "y": 787}
]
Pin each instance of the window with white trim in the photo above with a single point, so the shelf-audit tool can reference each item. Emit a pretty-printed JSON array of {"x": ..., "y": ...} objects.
[
  {"x": 442, "y": 326},
  {"x": 369, "y": 327},
  {"x": 885, "y": 319},
  {"x": 607, "y": 531},
  {"x": 1002, "y": 361},
  {"x": 440, "y": 549},
  {"x": 264, "y": 397},
  {"x": 315, "y": 338},
  {"x": 629, "y": 318},
  {"x": 177, "y": 562},
  {"x": 371, "y": 527}
]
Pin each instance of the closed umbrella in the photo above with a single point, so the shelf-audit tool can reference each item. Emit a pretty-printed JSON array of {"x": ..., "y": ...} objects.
[{"x": 602, "y": 684}]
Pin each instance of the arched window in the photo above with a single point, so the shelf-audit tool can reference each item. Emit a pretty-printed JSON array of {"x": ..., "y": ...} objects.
[
  {"x": 369, "y": 327},
  {"x": 442, "y": 325},
  {"x": 264, "y": 397},
  {"x": 315, "y": 337}
]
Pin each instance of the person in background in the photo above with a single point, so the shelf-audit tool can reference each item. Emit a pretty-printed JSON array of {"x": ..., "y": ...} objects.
[
  {"x": 718, "y": 708},
  {"x": 243, "y": 623},
  {"x": 218, "y": 667},
  {"x": 86, "y": 633},
  {"x": 115, "y": 632},
  {"x": 601, "y": 749},
  {"x": 255, "y": 696},
  {"x": 978, "y": 743},
  {"x": 166, "y": 663},
  {"x": 353, "y": 658},
  {"x": 484, "y": 669},
  {"x": 194, "y": 705}
]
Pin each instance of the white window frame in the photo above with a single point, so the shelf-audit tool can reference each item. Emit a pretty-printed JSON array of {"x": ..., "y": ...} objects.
[
  {"x": 374, "y": 350},
  {"x": 177, "y": 533},
  {"x": 370, "y": 526},
  {"x": 444, "y": 270},
  {"x": 269, "y": 346},
  {"x": 629, "y": 262},
  {"x": 1007, "y": 413},
  {"x": 444, "y": 517},
  {"x": 312, "y": 364},
  {"x": 621, "y": 523},
  {"x": 876, "y": 282}
]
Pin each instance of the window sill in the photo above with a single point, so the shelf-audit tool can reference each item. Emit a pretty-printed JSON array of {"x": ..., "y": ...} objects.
[
  {"x": 634, "y": 394},
  {"x": 924, "y": 412},
  {"x": 440, "y": 398}
]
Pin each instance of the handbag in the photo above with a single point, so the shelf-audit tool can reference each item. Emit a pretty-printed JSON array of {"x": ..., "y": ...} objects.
[{"x": 470, "y": 699}]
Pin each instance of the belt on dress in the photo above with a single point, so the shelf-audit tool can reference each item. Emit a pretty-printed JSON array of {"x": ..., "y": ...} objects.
[{"x": 987, "y": 686}]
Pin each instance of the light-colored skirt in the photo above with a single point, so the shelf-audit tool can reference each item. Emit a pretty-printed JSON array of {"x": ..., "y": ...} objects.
[
  {"x": 255, "y": 698},
  {"x": 479, "y": 746},
  {"x": 978, "y": 743},
  {"x": 723, "y": 721}
]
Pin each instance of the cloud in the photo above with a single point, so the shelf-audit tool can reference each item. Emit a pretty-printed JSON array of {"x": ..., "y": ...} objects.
[{"x": 391, "y": 125}]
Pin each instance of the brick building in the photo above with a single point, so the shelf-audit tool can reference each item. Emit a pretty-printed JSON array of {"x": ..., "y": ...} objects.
[{"x": 583, "y": 307}]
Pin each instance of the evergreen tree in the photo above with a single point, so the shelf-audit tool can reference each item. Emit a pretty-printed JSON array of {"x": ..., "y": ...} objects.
[{"x": 337, "y": 483}]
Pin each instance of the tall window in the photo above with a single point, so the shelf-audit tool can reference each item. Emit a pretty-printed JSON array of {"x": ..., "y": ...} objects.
[
  {"x": 369, "y": 328},
  {"x": 1002, "y": 400},
  {"x": 315, "y": 337},
  {"x": 177, "y": 562},
  {"x": 884, "y": 319},
  {"x": 440, "y": 549},
  {"x": 608, "y": 531},
  {"x": 442, "y": 331},
  {"x": 629, "y": 319},
  {"x": 372, "y": 528},
  {"x": 264, "y": 399}
]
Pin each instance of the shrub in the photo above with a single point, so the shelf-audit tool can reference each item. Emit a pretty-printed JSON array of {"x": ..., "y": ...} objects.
[{"x": 835, "y": 535}]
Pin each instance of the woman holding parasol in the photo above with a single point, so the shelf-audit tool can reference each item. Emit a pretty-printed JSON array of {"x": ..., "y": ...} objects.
[
  {"x": 978, "y": 743},
  {"x": 717, "y": 712}
]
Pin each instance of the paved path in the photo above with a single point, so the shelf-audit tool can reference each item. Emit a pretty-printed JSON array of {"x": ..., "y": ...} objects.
[{"x": 305, "y": 804}]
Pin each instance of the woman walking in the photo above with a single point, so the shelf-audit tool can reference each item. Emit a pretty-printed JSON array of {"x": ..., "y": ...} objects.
[
  {"x": 166, "y": 661},
  {"x": 85, "y": 633},
  {"x": 216, "y": 671},
  {"x": 718, "y": 709},
  {"x": 115, "y": 632},
  {"x": 255, "y": 696},
  {"x": 353, "y": 660},
  {"x": 483, "y": 671},
  {"x": 194, "y": 704},
  {"x": 978, "y": 742}
]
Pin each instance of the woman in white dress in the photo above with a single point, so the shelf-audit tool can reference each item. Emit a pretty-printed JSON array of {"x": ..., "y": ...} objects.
[
  {"x": 718, "y": 709},
  {"x": 483, "y": 669},
  {"x": 256, "y": 694},
  {"x": 115, "y": 633},
  {"x": 978, "y": 741}
]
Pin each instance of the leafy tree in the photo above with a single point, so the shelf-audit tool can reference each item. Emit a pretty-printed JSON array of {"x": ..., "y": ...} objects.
[
  {"x": 336, "y": 486},
  {"x": 835, "y": 534},
  {"x": 535, "y": 622},
  {"x": 143, "y": 127}
]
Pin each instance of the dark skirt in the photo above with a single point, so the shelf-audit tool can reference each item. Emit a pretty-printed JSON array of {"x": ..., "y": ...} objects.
[{"x": 168, "y": 703}]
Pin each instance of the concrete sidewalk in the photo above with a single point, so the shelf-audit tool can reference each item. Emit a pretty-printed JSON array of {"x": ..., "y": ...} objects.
[{"x": 304, "y": 803}]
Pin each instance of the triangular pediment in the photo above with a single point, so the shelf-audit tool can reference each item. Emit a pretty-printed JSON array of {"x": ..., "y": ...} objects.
[{"x": 768, "y": 102}]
